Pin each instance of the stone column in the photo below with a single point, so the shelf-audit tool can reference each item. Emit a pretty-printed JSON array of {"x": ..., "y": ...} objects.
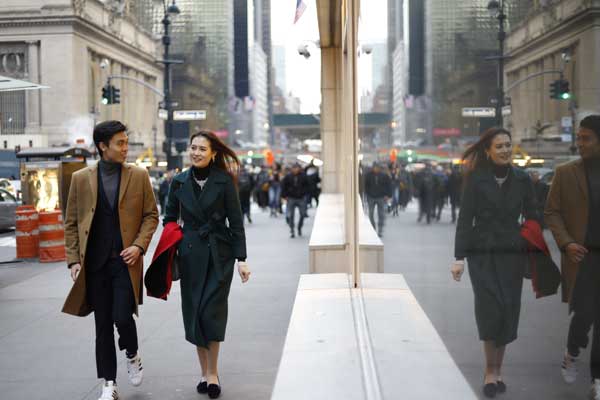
[
  {"x": 330, "y": 127},
  {"x": 33, "y": 96}
]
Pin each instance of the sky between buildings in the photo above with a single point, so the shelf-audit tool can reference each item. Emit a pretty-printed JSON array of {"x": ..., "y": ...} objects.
[{"x": 303, "y": 75}]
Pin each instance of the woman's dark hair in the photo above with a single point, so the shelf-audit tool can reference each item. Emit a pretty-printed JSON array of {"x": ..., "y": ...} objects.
[
  {"x": 104, "y": 131},
  {"x": 226, "y": 159},
  {"x": 591, "y": 122},
  {"x": 475, "y": 156}
]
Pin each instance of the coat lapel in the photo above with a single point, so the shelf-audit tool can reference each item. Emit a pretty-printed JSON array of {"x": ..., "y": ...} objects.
[
  {"x": 93, "y": 180},
  {"x": 199, "y": 205},
  {"x": 125, "y": 176},
  {"x": 581, "y": 179}
]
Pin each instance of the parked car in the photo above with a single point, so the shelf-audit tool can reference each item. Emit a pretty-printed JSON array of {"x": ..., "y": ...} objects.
[{"x": 8, "y": 208}]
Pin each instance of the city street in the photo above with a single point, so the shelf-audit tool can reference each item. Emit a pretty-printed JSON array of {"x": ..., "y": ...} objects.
[{"x": 49, "y": 355}]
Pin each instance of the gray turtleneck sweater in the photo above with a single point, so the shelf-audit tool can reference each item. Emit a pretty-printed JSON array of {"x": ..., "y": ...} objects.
[{"x": 110, "y": 173}]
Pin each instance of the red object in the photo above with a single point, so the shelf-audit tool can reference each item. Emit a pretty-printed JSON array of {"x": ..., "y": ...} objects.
[
  {"x": 159, "y": 278},
  {"x": 446, "y": 132},
  {"x": 545, "y": 276},
  {"x": 269, "y": 157},
  {"x": 222, "y": 134},
  {"x": 393, "y": 155}
]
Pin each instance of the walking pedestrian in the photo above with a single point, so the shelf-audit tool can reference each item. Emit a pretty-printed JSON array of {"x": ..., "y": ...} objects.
[
  {"x": 426, "y": 191},
  {"x": 496, "y": 195},
  {"x": 245, "y": 187},
  {"x": 275, "y": 192},
  {"x": 454, "y": 190},
  {"x": 293, "y": 189},
  {"x": 110, "y": 218},
  {"x": 205, "y": 199},
  {"x": 163, "y": 191},
  {"x": 573, "y": 215},
  {"x": 378, "y": 188}
]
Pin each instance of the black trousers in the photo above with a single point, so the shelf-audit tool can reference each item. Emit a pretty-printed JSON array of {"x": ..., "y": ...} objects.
[
  {"x": 111, "y": 295},
  {"x": 586, "y": 312}
]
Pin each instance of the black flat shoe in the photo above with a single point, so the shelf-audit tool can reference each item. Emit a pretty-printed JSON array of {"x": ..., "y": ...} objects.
[
  {"x": 214, "y": 390},
  {"x": 202, "y": 387},
  {"x": 501, "y": 386},
  {"x": 490, "y": 390}
]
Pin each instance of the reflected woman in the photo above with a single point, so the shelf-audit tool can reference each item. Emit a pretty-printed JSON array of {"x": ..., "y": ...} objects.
[
  {"x": 496, "y": 196},
  {"x": 205, "y": 199}
]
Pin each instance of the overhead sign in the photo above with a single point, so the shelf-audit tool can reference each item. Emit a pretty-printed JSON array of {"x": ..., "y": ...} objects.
[
  {"x": 475, "y": 112},
  {"x": 163, "y": 114},
  {"x": 189, "y": 115}
]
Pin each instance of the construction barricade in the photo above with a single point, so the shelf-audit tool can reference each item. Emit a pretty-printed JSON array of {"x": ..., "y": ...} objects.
[
  {"x": 27, "y": 232},
  {"x": 52, "y": 236}
]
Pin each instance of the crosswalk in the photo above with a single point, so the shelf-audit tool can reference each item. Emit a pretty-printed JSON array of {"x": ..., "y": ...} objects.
[{"x": 8, "y": 241}]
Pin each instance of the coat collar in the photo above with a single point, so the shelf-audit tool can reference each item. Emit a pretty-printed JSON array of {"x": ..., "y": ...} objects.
[
  {"x": 125, "y": 177},
  {"x": 485, "y": 176},
  {"x": 186, "y": 195}
]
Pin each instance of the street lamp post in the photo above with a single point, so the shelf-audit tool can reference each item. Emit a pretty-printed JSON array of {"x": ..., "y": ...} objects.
[
  {"x": 170, "y": 12},
  {"x": 496, "y": 9}
]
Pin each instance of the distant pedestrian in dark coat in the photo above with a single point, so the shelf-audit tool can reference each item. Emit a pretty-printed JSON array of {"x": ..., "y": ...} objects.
[
  {"x": 245, "y": 187},
  {"x": 426, "y": 192},
  {"x": 454, "y": 189},
  {"x": 496, "y": 195},
  {"x": 573, "y": 215},
  {"x": 205, "y": 198},
  {"x": 378, "y": 188},
  {"x": 294, "y": 188}
]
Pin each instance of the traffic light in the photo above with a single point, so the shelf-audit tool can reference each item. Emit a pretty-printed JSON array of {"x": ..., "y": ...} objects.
[
  {"x": 563, "y": 90},
  {"x": 554, "y": 87},
  {"x": 559, "y": 90},
  {"x": 106, "y": 95},
  {"x": 116, "y": 95}
]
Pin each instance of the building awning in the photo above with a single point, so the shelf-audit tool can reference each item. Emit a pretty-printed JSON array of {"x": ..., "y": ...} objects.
[{"x": 9, "y": 84}]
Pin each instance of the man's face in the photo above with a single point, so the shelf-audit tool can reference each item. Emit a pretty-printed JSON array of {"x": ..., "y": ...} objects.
[
  {"x": 295, "y": 170},
  {"x": 587, "y": 143},
  {"x": 376, "y": 169},
  {"x": 117, "y": 148}
]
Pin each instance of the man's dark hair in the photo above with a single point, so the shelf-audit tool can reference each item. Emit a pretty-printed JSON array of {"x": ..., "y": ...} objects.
[
  {"x": 104, "y": 131},
  {"x": 591, "y": 122}
]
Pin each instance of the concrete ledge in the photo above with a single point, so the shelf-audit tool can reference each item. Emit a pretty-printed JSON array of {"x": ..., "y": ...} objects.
[
  {"x": 370, "y": 343},
  {"x": 328, "y": 250}
]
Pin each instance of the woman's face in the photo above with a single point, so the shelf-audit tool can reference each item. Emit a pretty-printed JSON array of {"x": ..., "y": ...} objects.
[
  {"x": 500, "y": 151},
  {"x": 200, "y": 152}
]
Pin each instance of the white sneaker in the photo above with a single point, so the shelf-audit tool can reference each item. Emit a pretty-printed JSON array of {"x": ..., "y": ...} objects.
[
  {"x": 135, "y": 370},
  {"x": 568, "y": 368},
  {"x": 595, "y": 390},
  {"x": 109, "y": 391}
]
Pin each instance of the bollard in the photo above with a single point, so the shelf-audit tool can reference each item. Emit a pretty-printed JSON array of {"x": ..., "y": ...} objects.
[
  {"x": 27, "y": 232},
  {"x": 52, "y": 236}
]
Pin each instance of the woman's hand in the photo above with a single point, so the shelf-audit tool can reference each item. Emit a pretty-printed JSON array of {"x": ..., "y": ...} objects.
[
  {"x": 244, "y": 271},
  {"x": 458, "y": 267}
]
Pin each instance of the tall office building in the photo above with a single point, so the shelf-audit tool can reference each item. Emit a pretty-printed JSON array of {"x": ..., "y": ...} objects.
[{"x": 202, "y": 35}]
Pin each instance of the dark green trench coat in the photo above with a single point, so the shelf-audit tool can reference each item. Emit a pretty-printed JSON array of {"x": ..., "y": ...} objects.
[
  {"x": 488, "y": 235},
  {"x": 213, "y": 237}
]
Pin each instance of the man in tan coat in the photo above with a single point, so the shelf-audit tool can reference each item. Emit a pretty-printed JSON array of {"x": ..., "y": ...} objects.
[
  {"x": 573, "y": 215},
  {"x": 111, "y": 216}
]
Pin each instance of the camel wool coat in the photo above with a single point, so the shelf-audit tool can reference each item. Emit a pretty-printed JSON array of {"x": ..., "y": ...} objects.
[
  {"x": 138, "y": 218},
  {"x": 566, "y": 214}
]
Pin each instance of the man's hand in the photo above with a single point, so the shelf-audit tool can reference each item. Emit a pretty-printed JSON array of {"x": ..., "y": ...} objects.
[
  {"x": 75, "y": 270},
  {"x": 131, "y": 254},
  {"x": 576, "y": 252}
]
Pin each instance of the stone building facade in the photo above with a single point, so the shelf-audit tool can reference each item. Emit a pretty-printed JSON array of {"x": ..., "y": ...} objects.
[
  {"x": 561, "y": 35},
  {"x": 72, "y": 46}
]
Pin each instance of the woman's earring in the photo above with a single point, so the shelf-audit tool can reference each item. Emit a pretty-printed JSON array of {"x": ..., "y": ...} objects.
[{"x": 213, "y": 158}]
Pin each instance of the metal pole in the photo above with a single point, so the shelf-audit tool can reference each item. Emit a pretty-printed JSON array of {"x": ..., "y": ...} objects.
[
  {"x": 167, "y": 84},
  {"x": 572, "y": 108},
  {"x": 501, "y": 37}
]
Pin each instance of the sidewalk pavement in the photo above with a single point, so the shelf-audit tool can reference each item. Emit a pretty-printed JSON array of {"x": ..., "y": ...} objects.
[{"x": 45, "y": 354}]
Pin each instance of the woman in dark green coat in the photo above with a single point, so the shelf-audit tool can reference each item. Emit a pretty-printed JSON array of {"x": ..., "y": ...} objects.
[
  {"x": 204, "y": 199},
  {"x": 496, "y": 198}
]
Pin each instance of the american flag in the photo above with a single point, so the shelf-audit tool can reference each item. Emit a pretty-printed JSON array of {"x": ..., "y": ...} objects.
[{"x": 300, "y": 7}]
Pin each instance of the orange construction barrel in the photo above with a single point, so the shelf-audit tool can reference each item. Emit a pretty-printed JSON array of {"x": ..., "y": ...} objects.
[
  {"x": 52, "y": 236},
  {"x": 26, "y": 232}
]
